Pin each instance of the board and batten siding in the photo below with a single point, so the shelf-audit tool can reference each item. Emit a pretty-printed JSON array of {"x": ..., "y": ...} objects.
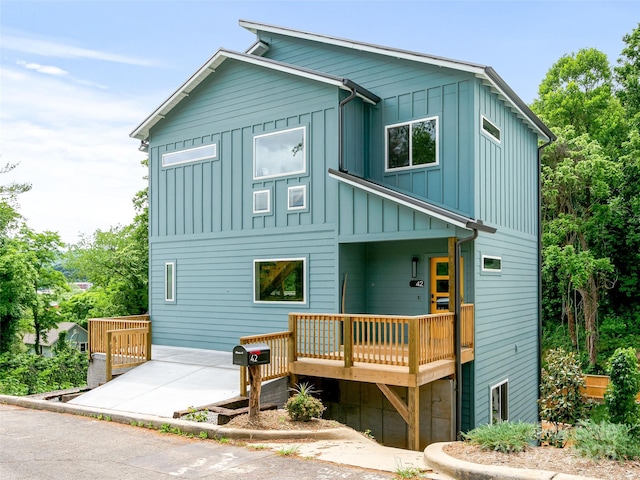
[
  {"x": 214, "y": 285},
  {"x": 410, "y": 91},
  {"x": 216, "y": 195}
]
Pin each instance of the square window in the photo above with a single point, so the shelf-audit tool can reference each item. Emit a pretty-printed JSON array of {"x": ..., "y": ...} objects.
[
  {"x": 412, "y": 144},
  {"x": 169, "y": 282},
  {"x": 279, "y": 281},
  {"x": 279, "y": 153},
  {"x": 297, "y": 197},
  {"x": 262, "y": 201}
]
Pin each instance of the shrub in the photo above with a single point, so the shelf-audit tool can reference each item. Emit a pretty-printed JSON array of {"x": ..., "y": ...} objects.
[
  {"x": 503, "y": 437},
  {"x": 561, "y": 400},
  {"x": 606, "y": 440},
  {"x": 620, "y": 397},
  {"x": 303, "y": 406}
]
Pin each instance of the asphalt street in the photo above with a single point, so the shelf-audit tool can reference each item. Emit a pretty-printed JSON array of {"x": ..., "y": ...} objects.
[{"x": 36, "y": 444}]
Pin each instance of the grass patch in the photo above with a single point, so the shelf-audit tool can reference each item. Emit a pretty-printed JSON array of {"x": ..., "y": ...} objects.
[
  {"x": 504, "y": 437},
  {"x": 407, "y": 472},
  {"x": 288, "y": 451}
]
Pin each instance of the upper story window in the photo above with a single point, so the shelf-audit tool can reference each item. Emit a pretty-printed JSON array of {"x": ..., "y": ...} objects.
[
  {"x": 490, "y": 129},
  {"x": 279, "y": 153},
  {"x": 412, "y": 144},
  {"x": 190, "y": 155}
]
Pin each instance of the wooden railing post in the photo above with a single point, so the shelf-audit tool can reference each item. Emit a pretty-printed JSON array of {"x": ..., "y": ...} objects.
[
  {"x": 293, "y": 347},
  {"x": 108, "y": 373},
  {"x": 414, "y": 346},
  {"x": 148, "y": 356},
  {"x": 347, "y": 335}
]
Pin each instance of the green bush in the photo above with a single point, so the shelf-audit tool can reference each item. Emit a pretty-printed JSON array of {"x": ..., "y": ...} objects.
[
  {"x": 303, "y": 406},
  {"x": 606, "y": 440},
  {"x": 620, "y": 397},
  {"x": 504, "y": 437},
  {"x": 561, "y": 400}
]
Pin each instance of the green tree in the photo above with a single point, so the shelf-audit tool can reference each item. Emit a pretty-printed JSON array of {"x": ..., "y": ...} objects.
[
  {"x": 620, "y": 397},
  {"x": 627, "y": 73},
  {"x": 41, "y": 251}
]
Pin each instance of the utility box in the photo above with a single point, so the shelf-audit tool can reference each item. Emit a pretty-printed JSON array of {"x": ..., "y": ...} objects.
[{"x": 251, "y": 354}]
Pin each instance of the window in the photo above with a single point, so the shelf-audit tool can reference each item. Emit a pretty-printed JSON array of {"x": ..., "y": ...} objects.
[
  {"x": 190, "y": 155},
  {"x": 491, "y": 264},
  {"x": 278, "y": 281},
  {"x": 262, "y": 201},
  {"x": 421, "y": 150},
  {"x": 169, "y": 282},
  {"x": 499, "y": 402},
  {"x": 297, "y": 197},
  {"x": 490, "y": 129},
  {"x": 280, "y": 153}
]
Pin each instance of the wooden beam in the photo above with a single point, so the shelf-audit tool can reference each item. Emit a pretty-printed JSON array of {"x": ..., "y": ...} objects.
[
  {"x": 395, "y": 400},
  {"x": 414, "y": 417},
  {"x": 452, "y": 272}
]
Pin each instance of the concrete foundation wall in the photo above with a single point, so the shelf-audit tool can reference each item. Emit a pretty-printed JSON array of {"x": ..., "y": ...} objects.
[{"x": 364, "y": 407}]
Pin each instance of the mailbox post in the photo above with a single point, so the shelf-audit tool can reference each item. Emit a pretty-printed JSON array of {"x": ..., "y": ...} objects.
[{"x": 253, "y": 356}]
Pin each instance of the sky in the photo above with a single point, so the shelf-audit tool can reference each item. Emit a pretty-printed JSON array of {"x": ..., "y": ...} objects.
[{"x": 76, "y": 78}]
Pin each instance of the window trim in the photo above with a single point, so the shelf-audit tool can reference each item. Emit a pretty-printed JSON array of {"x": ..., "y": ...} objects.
[
  {"x": 268, "y": 209},
  {"x": 504, "y": 383},
  {"x": 196, "y": 159},
  {"x": 388, "y": 169},
  {"x": 305, "y": 292},
  {"x": 304, "y": 197},
  {"x": 170, "y": 298},
  {"x": 490, "y": 270},
  {"x": 487, "y": 133},
  {"x": 278, "y": 132}
]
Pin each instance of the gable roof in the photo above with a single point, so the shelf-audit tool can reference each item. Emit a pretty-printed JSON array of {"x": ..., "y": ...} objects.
[
  {"x": 411, "y": 202},
  {"x": 487, "y": 74},
  {"x": 52, "y": 335},
  {"x": 142, "y": 131}
]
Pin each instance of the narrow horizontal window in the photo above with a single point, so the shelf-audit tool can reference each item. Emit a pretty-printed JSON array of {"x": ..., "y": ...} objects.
[
  {"x": 169, "y": 282},
  {"x": 490, "y": 129},
  {"x": 279, "y": 153},
  {"x": 297, "y": 197},
  {"x": 412, "y": 144},
  {"x": 491, "y": 264},
  {"x": 262, "y": 201},
  {"x": 281, "y": 280},
  {"x": 190, "y": 155}
]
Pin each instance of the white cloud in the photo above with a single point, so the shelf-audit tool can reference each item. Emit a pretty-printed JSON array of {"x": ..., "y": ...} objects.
[
  {"x": 49, "y": 70},
  {"x": 72, "y": 145},
  {"x": 24, "y": 43}
]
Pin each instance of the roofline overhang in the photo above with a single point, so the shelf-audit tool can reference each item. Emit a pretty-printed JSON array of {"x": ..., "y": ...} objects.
[
  {"x": 141, "y": 132},
  {"x": 411, "y": 202},
  {"x": 485, "y": 73}
]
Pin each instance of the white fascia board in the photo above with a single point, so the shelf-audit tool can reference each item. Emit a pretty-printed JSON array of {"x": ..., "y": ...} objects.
[
  {"x": 142, "y": 131},
  {"x": 399, "y": 201}
]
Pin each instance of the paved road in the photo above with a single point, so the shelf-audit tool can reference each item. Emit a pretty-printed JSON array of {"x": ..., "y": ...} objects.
[{"x": 37, "y": 445}]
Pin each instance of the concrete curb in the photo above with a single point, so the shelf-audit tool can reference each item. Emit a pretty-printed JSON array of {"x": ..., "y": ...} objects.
[
  {"x": 435, "y": 457},
  {"x": 153, "y": 421}
]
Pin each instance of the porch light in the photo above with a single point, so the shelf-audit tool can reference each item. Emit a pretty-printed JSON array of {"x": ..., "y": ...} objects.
[
  {"x": 414, "y": 267},
  {"x": 144, "y": 146}
]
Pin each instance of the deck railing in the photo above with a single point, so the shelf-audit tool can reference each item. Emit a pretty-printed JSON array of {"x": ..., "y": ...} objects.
[
  {"x": 125, "y": 341},
  {"x": 279, "y": 366},
  {"x": 408, "y": 341}
]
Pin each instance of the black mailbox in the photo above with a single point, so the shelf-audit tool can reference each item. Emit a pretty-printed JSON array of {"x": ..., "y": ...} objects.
[{"x": 251, "y": 354}]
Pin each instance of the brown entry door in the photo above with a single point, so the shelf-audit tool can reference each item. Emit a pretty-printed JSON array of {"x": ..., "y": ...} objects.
[{"x": 439, "y": 275}]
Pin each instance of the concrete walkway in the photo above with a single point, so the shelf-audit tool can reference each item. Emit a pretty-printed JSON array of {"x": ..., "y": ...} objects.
[{"x": 175, "y": 379}]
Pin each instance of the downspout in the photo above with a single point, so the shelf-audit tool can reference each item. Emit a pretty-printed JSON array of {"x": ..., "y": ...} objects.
[
  {"x": 540, "y": 148},
  {"x": 340, "y": 126},
  {"x": 458, "y": 330}
]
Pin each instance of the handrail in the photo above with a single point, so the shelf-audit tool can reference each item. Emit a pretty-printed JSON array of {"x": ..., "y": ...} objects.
[
  {"x": 278, "y": 367},
  {"x": 98, "y": 329}
]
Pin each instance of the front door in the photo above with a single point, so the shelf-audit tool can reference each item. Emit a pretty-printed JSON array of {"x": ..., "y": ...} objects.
[{"x": 439, "y": 271}]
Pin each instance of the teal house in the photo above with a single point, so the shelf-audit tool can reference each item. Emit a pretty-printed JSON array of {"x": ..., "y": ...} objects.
[{"x": 379, "y": 205}]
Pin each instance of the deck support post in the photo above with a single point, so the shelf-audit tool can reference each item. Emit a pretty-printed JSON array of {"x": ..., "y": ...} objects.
[
  {"x": 255, "y": 379},
  {"x": 413, "y": 395},
  {"x": 293, "y": 348},
  {"x": 347, "y": 335}
]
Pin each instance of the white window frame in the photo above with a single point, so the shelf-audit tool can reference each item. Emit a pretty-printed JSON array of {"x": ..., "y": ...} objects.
[
  {"x": 411, "y": 166},
  {"x": 290, "y": 190},
  {"x": 305, "y": 293},
  {"x": 170, "y": 296},
  {"x": 197, "y": 152},
  {"x": 491, "y": 270},
  {"x": 487, "y": 133},
  {"x": 302, "y": 171},
  {"x": 503, "y": 384},
  {"x": 268, "y": 209}
]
